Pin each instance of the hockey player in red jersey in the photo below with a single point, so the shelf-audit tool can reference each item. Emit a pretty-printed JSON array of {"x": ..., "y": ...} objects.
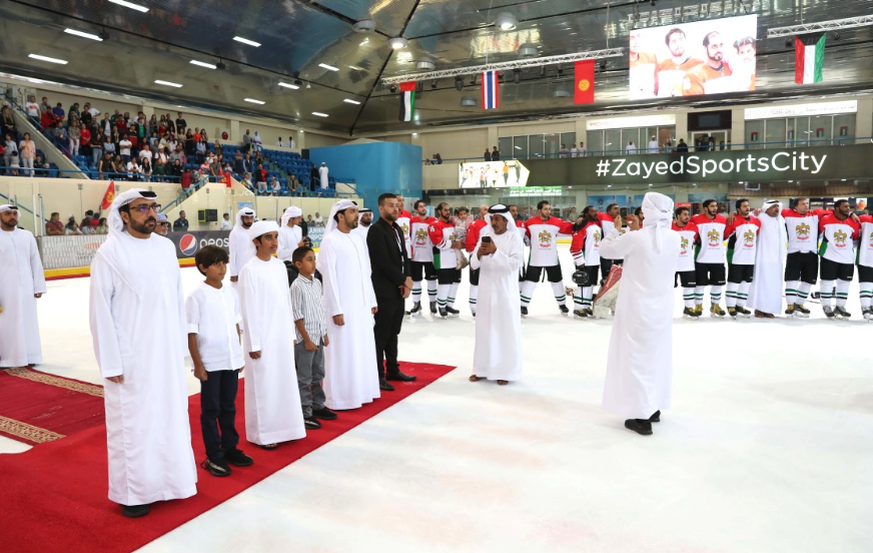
[
  {"x": 710, "y": 259},
  {"x": 442, "y": 234},
  {"x": 585, "y": 249},
  {"x": 471, "y": 240},
  {"x": 421, "y": 261},
  {"x": 838, "y": 232},
  {"x": 542, "y": 231},
  {"x": 742, "y": 234},
  {"x": 685, "y": 273}
]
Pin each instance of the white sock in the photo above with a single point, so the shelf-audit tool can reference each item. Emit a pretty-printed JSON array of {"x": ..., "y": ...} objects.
[
  {"x": 560, "y": 292},
  {"x": 442, "y": 295},
  {"x": 715, "y": 294},
  {"x": 866, "y": 295},
  {"x": 791, "y": 288},
  {"x": 527, "y": 288},
  {"x": 578, "y": 302},
  {"x": 803, "y": 291},
  {"x": 688, "y": 296},
  {"x": 743, "y": 293},
  {"x": 730, "y": 297},
  {"x": 416, "y": 291},
  {"x": 474, "y": 295},
  {"x": 698, "y": 294},
  {"x": 826, "y": 292},
  {"x": 432, "y": 290},
  {"x": 587, "y": 296},
  {"x": 453, "y": 291},
  {"x": 842, "y": 292}
]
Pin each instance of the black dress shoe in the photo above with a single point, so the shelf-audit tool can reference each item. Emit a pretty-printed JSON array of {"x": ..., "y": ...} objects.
[
  {"x": 384, "y": 386},
  {"x": 656, "y": 417},
  {"x": 401, "y": 377},
  {"x": 135, "y": 511},
  {"x": 324, "y": 414},
  {"x": 640, "y": 426}
]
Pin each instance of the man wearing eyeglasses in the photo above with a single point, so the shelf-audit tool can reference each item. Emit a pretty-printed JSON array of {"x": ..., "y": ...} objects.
[
  {"x": 139, "y": 327},
  {"x": 162, "y": 227},
  {"x": 21, "y": 284}
]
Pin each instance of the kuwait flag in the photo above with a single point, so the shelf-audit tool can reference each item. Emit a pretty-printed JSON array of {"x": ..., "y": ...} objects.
[
  {"x": 808, "y": 58},
  {"x": 407, "y": 100},
  {"x": 490, "y": 91}
]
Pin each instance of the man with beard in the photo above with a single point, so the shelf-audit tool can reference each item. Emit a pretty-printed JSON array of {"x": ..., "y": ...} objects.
[
  {"x": 709, "y": 261},
  {"x": 422, "y": 259},
  {"x": 365, "y": 219},
  {"x": 442, "y": 235},
  {"x": 709, "y": 77},
  {"x": 585, "y": 250},
  {"x": 671, "y": 71},
  {"x": 139, "y": 329},
  {"x": 643, "y": 66},
  {"x": 242, "y": 249},
  {"x": 162, "y": 228}
]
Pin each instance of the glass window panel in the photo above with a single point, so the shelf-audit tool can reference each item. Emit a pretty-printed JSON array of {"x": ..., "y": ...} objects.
[
  {"x": 628, "y": 136},
  {"x": 801, "y": 131},
  {"x": 519, "y": 146},
  {"x": 844, "y": 128},
  {"x": 774, "y": 132},
  {"x": 504, "y": 146},
  {"x": 595, "y": 142},
  {"x": 612, "y": 142},
  {"x": 568, "y": 138},
  {"x": 535, "y": 145},
  {"x": 551, "y": 145},
  {"x": 822, "y": 129},
  {"x": 754, "y": 134}
]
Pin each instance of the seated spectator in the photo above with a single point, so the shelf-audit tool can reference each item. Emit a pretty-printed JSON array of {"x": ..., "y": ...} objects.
[
  {"x": 71, "y": 228},
  {"x": 101, "y": 226},
  {"x": 7, "y": 121},
  {"x": 318, "y": 220},
  {"x": 309, "y": 221},
  {"x": 275, "y": 186},
  {"x": 293, "y": 184},
  {"x": 133, "y": 169},
  {"x": 54, "y": 226},
  {"x": 145, "y": 171},
  {"x": 41, "y": 165},
  {"x": 180, "y": 224},
  {"x": 247, "y": 182},
  {"x": 159, "y": 169},
  {"x": 162, "y": 226}
]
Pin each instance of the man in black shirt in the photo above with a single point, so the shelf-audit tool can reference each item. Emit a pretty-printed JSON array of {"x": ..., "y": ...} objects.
[{"x": 180, "y": 224}]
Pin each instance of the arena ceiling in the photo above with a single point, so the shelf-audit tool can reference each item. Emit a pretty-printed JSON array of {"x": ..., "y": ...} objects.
[{"x": 298, "y": 35}]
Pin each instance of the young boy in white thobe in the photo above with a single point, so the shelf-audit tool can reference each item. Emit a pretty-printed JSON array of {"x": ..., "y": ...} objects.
[
  {"x": 273, "y": 414},
  {"x": 214, "y": 317},
  {"x": 310, "y": 340}
]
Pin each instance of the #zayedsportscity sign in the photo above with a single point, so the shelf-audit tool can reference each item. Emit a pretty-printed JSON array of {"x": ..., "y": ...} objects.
[{"x": 765, "y": 165}]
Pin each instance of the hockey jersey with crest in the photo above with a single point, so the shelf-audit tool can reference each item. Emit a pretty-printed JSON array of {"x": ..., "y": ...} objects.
[
  {"x": 543, "y": 237},
  {"x": 422, "y": 247},
  {"x": 837, "y": 239},
  {"x": 687, "y": 239},
  {"x": 743, "y": 240},
  {"x": 711, "y": 233},
  {"x": 585, "y": 247}
]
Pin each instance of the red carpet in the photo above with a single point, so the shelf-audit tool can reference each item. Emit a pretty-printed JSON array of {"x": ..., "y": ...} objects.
[
  {"x": 36, "y": 407},
  {"x": 55, "y": 495}
]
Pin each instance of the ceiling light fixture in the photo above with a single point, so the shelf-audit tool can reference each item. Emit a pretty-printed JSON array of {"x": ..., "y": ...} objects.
[
  {"x": 48, "y": 59},
  {"x": 561, "y": 93},
  {"x": 204, "y": 64},
  {"x": 398, "y": 42},
  {"x": 83, "y": 34},
  {"x": 253, "y": 101},
  {"x": 168, "y": 83},
  {"x": 319, "y": 114},
  {"x": 527, "y": 50},
  {"x": 130, "y": 5},
  {"x": 468, "y": 101},
  {"x": 364, "y": 26},
  {"x": 247, "y": 41},
  {"x": 328, "y": 67},
  {"x": 350, "y": 101},
  {"x": 289, "y": 85},
  {"x": 425, "y": 65},
  {"x": 506, "y": 22}
]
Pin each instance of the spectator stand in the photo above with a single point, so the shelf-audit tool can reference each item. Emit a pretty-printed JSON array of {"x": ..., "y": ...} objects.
[{"x": 48, "y": 147}]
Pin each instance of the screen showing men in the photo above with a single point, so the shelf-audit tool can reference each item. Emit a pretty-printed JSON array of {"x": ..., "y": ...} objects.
[
  {"x": 492, "y": 174},
  {"x": 689, "y": 59}
]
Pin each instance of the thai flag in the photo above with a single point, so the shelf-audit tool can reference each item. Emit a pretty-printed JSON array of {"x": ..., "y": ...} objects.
[{"x": 490, "y": 92}]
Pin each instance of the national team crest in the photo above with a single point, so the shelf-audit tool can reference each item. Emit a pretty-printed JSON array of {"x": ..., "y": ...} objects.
[
  {"x": 420, "y": 237},
  {"x": 714, "y": 237},
  {"x": 840, "y": 237},
  {"x": 749, "y": 237},
  {"x": 405, "y": 228},
  {"x": 597, "y": 237},
  {"x": 545, "y": 238},
  {"x": 802, "y": 230},
  {"x": 684, "y": 244}
]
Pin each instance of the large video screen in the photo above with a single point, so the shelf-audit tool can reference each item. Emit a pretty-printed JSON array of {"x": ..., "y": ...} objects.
[
  {"x": 492, "y": 174},
  {"x": 690, "y": 59}
]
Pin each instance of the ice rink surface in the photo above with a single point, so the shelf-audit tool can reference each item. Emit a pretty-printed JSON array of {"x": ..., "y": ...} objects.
[{"x": 768, "y": 447}]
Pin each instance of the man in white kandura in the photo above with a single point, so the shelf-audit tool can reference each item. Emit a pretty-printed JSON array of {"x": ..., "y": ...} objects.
[
  {"x": 290, "y": 233},
  {"x": 241, "y": 247},
  {"x": 273, "y": 413},
  {"x": 22, "y": 282},
  {"x": 499, "y": 256},
  {"x": 349, "y": 304},
  {"x": 639, "y": 368},
  {"x": 765, "y": 296},
  {"x": 322, "y": 176},
  {"x": 138, "y": 326},
  {"x": 365, "y": 219}
]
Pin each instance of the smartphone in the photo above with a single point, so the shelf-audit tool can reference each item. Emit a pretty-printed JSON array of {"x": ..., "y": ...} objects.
[{"x": 486, "y": 239}]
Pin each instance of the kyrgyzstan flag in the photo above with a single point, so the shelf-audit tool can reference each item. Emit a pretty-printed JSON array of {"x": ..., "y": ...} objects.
[
  {"x": 108, "y": 196},
  {"x": 584, "y": 82},
  {"x": 808, "y": 58}
]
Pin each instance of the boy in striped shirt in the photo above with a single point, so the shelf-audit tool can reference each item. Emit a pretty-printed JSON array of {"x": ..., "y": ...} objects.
[{"x": 310, "y": 340}]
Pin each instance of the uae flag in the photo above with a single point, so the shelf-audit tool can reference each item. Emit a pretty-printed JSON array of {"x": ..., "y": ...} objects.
[
  {"x": 809, "y": 58},
  {"x": 407, "y": 100}
]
